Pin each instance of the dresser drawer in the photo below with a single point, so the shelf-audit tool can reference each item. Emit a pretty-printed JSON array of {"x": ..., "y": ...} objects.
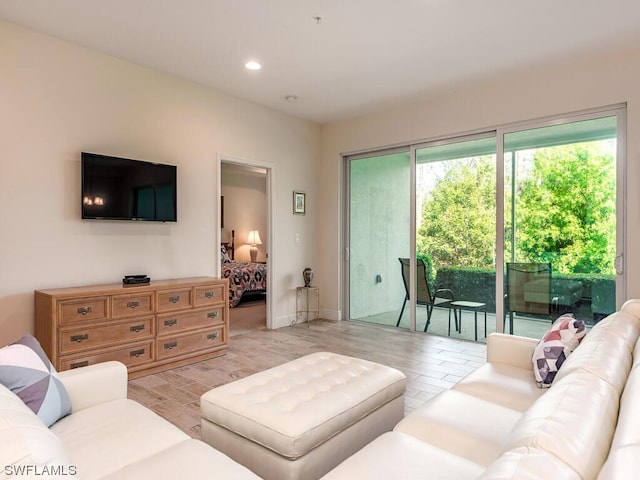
[
  {"x": 174, "y": 299},
  {"x": 209, "y": 295},
  {"x": 79, "y": 339},
  {"x": 130, "y": 355},
  {"x": 169, "y": 324},
  {"x": 131, "y": 305},
  {"x": 188, "y": 343},
  {"x": 82, "y": 310}
]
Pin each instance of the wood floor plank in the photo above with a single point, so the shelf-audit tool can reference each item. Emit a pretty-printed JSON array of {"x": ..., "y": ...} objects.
[{"x": 431, "y": 363}]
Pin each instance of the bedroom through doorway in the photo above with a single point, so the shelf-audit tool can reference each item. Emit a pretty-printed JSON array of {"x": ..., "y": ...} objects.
[{"x": 244, "y": 243}]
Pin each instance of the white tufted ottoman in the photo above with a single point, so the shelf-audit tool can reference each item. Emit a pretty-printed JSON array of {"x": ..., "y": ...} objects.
[{"x": 302, "y": 418}]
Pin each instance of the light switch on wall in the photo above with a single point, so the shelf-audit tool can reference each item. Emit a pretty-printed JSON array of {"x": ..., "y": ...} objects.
[{"x": 297, "y": 238}]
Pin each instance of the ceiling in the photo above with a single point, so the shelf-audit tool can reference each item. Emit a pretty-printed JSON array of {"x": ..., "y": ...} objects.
[{"x": 360, "y": 56}]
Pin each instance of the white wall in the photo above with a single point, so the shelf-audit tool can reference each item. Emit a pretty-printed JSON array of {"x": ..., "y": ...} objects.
[
  {"x": 56, "y": 100},
  {"x": 540, "y": 93},
  {"x": 245, "y": 209}
]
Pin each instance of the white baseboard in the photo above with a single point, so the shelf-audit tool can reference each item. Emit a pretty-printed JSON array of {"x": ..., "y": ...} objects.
[
  {"x": 283, "y": 320},
  {"x": 335, "y": 315},
  {"x": 287, "y": 320}
]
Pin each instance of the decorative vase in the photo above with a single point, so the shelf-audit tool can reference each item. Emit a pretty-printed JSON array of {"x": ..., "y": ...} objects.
[{"x": 307, "y": 275}]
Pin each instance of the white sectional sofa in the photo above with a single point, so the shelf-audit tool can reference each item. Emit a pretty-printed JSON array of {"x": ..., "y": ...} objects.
[
  {"x": 106, "y": 436},
  {"x": 495, "y": 424}
]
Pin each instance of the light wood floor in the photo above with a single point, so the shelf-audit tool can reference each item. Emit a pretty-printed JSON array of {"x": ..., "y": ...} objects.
[{"x": 431, "y": 363}]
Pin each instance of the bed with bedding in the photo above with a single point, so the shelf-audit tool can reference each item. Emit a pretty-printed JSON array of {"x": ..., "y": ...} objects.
[{"x": 244, "y": 277}]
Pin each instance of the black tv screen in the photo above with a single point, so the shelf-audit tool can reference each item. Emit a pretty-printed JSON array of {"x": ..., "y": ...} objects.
[{"x": 123, "y": 189}]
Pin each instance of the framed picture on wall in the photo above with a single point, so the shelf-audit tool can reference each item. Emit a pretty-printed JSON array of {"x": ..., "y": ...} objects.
[{"x": 299, "y": 203}]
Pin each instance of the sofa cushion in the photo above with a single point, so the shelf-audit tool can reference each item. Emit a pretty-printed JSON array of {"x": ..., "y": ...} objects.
[
  {"x": 188, "y": 459},
  {"x": 636, "y": 355},
  {"x": 556, "y": 345},
  {"x": 574, "y": 421},
  {"x": 623, "y": 464},
  {"x": 398, "y": 455},
  {"x": 506, "y": 385},
  {"x": 26, "y": 371},
  {"x": 24, "y": 439},
  {"x": 105, "y": 438},
  {"x": 462, "y": 424},
  {"x": 607, "y": 350},
  {"x": 624, "y": 458},
  {"x": 529, "y": 463}
]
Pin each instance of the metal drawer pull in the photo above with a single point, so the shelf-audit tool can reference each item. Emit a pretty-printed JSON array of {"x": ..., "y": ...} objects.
[
  {"x": 79, "y": 338},
  {"x": 174, "y": 299},
  {"x": 135, "y": 304},
  {"x": 136, "y": 353},
  {"x": 80, "y": 364},
  {"x": 170, "y": 345},
  {"x": 171, "y": 323},
  {"x": 208, "y": 294},
  {"x": 212, "y": 315},
  {"x": 137, "y": 328},
  {"x": 212, "y": 336},
  {"x": 84, "y": 310}
]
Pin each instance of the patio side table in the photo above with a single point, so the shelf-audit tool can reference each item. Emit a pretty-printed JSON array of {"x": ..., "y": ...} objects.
[
  {"x": 307, "y": 304},
  {"x": 459, "y": 305}
]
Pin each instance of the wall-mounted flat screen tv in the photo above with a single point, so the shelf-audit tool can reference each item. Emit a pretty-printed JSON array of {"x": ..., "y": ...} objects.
[{"x": 124, "y": 189}]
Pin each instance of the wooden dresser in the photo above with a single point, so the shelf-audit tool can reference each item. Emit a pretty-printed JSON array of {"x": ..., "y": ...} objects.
[{"x": 149, "y": 328}]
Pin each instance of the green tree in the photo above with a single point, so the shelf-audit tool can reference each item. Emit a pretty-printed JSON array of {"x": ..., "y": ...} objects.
[
  {"x": 565, "y": 210},
  {"x": 459, "y": 215}
]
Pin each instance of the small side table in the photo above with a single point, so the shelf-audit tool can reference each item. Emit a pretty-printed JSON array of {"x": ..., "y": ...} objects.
[
  {"x": 459, "y": 306},
  {"x": 307, "y": 304}
]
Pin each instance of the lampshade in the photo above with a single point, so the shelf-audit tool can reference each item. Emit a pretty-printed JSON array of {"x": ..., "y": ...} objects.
[{"x": 254, "y": 238}]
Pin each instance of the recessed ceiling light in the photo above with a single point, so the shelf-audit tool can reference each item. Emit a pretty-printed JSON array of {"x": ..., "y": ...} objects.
[{"x": 253, "y": 65}]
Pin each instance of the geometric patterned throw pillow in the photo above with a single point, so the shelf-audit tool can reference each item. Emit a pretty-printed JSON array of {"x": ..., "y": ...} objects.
[
  {"x": 224, "y": 254},
  {"x": 552, "y": 350},
  {"x": 27, "y": 372}
]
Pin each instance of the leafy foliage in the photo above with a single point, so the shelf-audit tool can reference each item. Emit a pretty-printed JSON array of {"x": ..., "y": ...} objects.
[
  {"x": 458, "y": 219},
  {"x": 565, "y": 211}
]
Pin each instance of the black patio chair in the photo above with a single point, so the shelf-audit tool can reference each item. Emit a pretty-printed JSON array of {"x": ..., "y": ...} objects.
[{"x": 442, "y": 296}]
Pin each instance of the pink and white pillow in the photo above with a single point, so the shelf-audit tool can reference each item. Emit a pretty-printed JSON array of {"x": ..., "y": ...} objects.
[{"x": 556, "y": 345}]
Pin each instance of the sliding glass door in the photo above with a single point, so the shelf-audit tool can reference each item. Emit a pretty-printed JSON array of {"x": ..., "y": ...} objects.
[
  {"x": 560, "y": 223},
  {"x": 455, "y": 233},
  {"x": 379, "y": 225},
  {"x": 512, "y": 228}
]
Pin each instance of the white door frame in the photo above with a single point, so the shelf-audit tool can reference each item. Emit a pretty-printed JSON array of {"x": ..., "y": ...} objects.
[{"x": 271, "y": 170}]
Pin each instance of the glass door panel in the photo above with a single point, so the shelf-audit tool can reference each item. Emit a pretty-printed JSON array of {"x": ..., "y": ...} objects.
[
  {"x": 560, "y": 224},
  {"x": 455, "y": 236},
  {"x": 379, "y": 226}
]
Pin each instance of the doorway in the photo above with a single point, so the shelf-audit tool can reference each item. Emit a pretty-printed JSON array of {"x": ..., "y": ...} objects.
[{"x": 244, "y": 240}]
